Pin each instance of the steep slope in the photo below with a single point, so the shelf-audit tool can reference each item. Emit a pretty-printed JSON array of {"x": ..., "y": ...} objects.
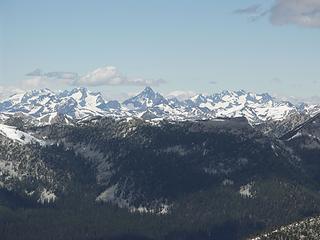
[
  {"x": 146, "y": 99},
  {"x": 34, "y": 168},
  {"x": 310, "y": 127},
  {"x": 280, "y": 128},
  {"x": 21, "y": 169},
  {"x": 304, "y": 140}
]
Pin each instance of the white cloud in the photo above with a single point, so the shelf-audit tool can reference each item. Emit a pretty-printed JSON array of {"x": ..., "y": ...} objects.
[
  {"x": 39, "y": 79},
  {"x": 110, "y": 75},
  {"x": 34, "y": 82},
  {"x": 314, "y": 100},
  {"x": 303, "y": 13},
  {"x": 181, "y": 95},
  {"x": 7, "y": 91},
  {"x": 298, "y": 100},
  {"x": 37, "y": 82},
  {"x": 101, "y": 76},
  {"x": 107, "y": 75}
]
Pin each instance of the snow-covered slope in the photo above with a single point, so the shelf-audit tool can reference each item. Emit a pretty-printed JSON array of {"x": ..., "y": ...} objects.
[
  {"x": 17, "y": 135},
  {"x": 49, "y": 107},
  {"x": 255, "y": 107},
  {"x": 146, "y": 99}
]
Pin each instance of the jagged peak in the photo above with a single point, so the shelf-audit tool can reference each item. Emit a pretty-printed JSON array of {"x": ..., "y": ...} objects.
[
  {"x": 241, "y": 92},
  {"x": 148, "y": 89},
  {"x": 227, "y": 92},
  {"x": 82, "y": 90},
  {"x": 80, "y": 101},
  {"x": 79, "y": 90},
  {"x": 41, "y": 91},
  {"x": 198, "y": 97},
  {"x": 149, "y": 93}
]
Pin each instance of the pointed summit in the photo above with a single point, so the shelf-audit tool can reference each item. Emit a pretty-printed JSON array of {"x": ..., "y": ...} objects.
[
  {"x": 199, "y": 98},
  {"x": 146, "y": 99},
  {"x": 148, "y": 90},
  {"x": 148, "y": 93},
  {"x": 80, "y": 89},
  {"x": 38, "y": 92}
]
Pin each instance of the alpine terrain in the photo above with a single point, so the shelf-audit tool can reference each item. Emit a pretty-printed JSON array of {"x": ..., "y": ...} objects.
[{"x": 231, "y": 165}]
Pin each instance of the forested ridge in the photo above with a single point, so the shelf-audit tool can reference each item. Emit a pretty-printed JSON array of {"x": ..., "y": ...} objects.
[{"x": 114, "y": 179}]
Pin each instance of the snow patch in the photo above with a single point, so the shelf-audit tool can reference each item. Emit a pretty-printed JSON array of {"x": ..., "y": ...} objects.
[
  {"x": 108, "y": 195},
  {"x": 298, "y": 134},
  {"x": 227, "y": 182},
  {"x": 164, "y": 209},
  {"x": 47, "y": 196},
  {"x": 246, "y": 190},
  {"x": 18, "y": 136}
]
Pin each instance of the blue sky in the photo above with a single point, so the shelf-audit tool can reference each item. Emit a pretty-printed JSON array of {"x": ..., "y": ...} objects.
[{"x": 200, "y": 46}]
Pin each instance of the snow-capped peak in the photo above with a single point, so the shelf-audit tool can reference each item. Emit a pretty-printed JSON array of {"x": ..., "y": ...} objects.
[
  {"x": 83, "y": 97},
  {"x": 148, "y": 91},
  {"x": 47, "y": 106},
  {"x": 146, "y": 99}
]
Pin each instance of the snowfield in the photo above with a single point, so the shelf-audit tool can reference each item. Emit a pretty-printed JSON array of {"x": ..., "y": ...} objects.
[{"x": 18, "y": 136}]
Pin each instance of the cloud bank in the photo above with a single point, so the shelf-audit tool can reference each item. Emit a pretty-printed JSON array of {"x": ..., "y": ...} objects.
[
  {"x": 110, "y": 75},
  {"x": 181, "y": 94},
  {"x": 103, "y": 76},
  {"x": 7, "y": 91}
]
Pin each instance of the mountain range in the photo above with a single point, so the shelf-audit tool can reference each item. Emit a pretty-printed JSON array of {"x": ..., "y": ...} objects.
[
  {"x": 45, "y": 106},
  {"x": 233, "y": 165}
]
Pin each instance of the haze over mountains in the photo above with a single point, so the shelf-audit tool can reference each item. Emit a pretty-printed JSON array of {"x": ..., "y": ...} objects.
[{"x": 46, "y": 106}]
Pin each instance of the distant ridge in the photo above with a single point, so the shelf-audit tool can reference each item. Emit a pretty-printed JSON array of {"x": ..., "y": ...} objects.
[{"x": 47, "y": 107}]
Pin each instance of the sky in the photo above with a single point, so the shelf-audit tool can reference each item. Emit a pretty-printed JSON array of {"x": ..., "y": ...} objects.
[{"x": 175, "y": 46}]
